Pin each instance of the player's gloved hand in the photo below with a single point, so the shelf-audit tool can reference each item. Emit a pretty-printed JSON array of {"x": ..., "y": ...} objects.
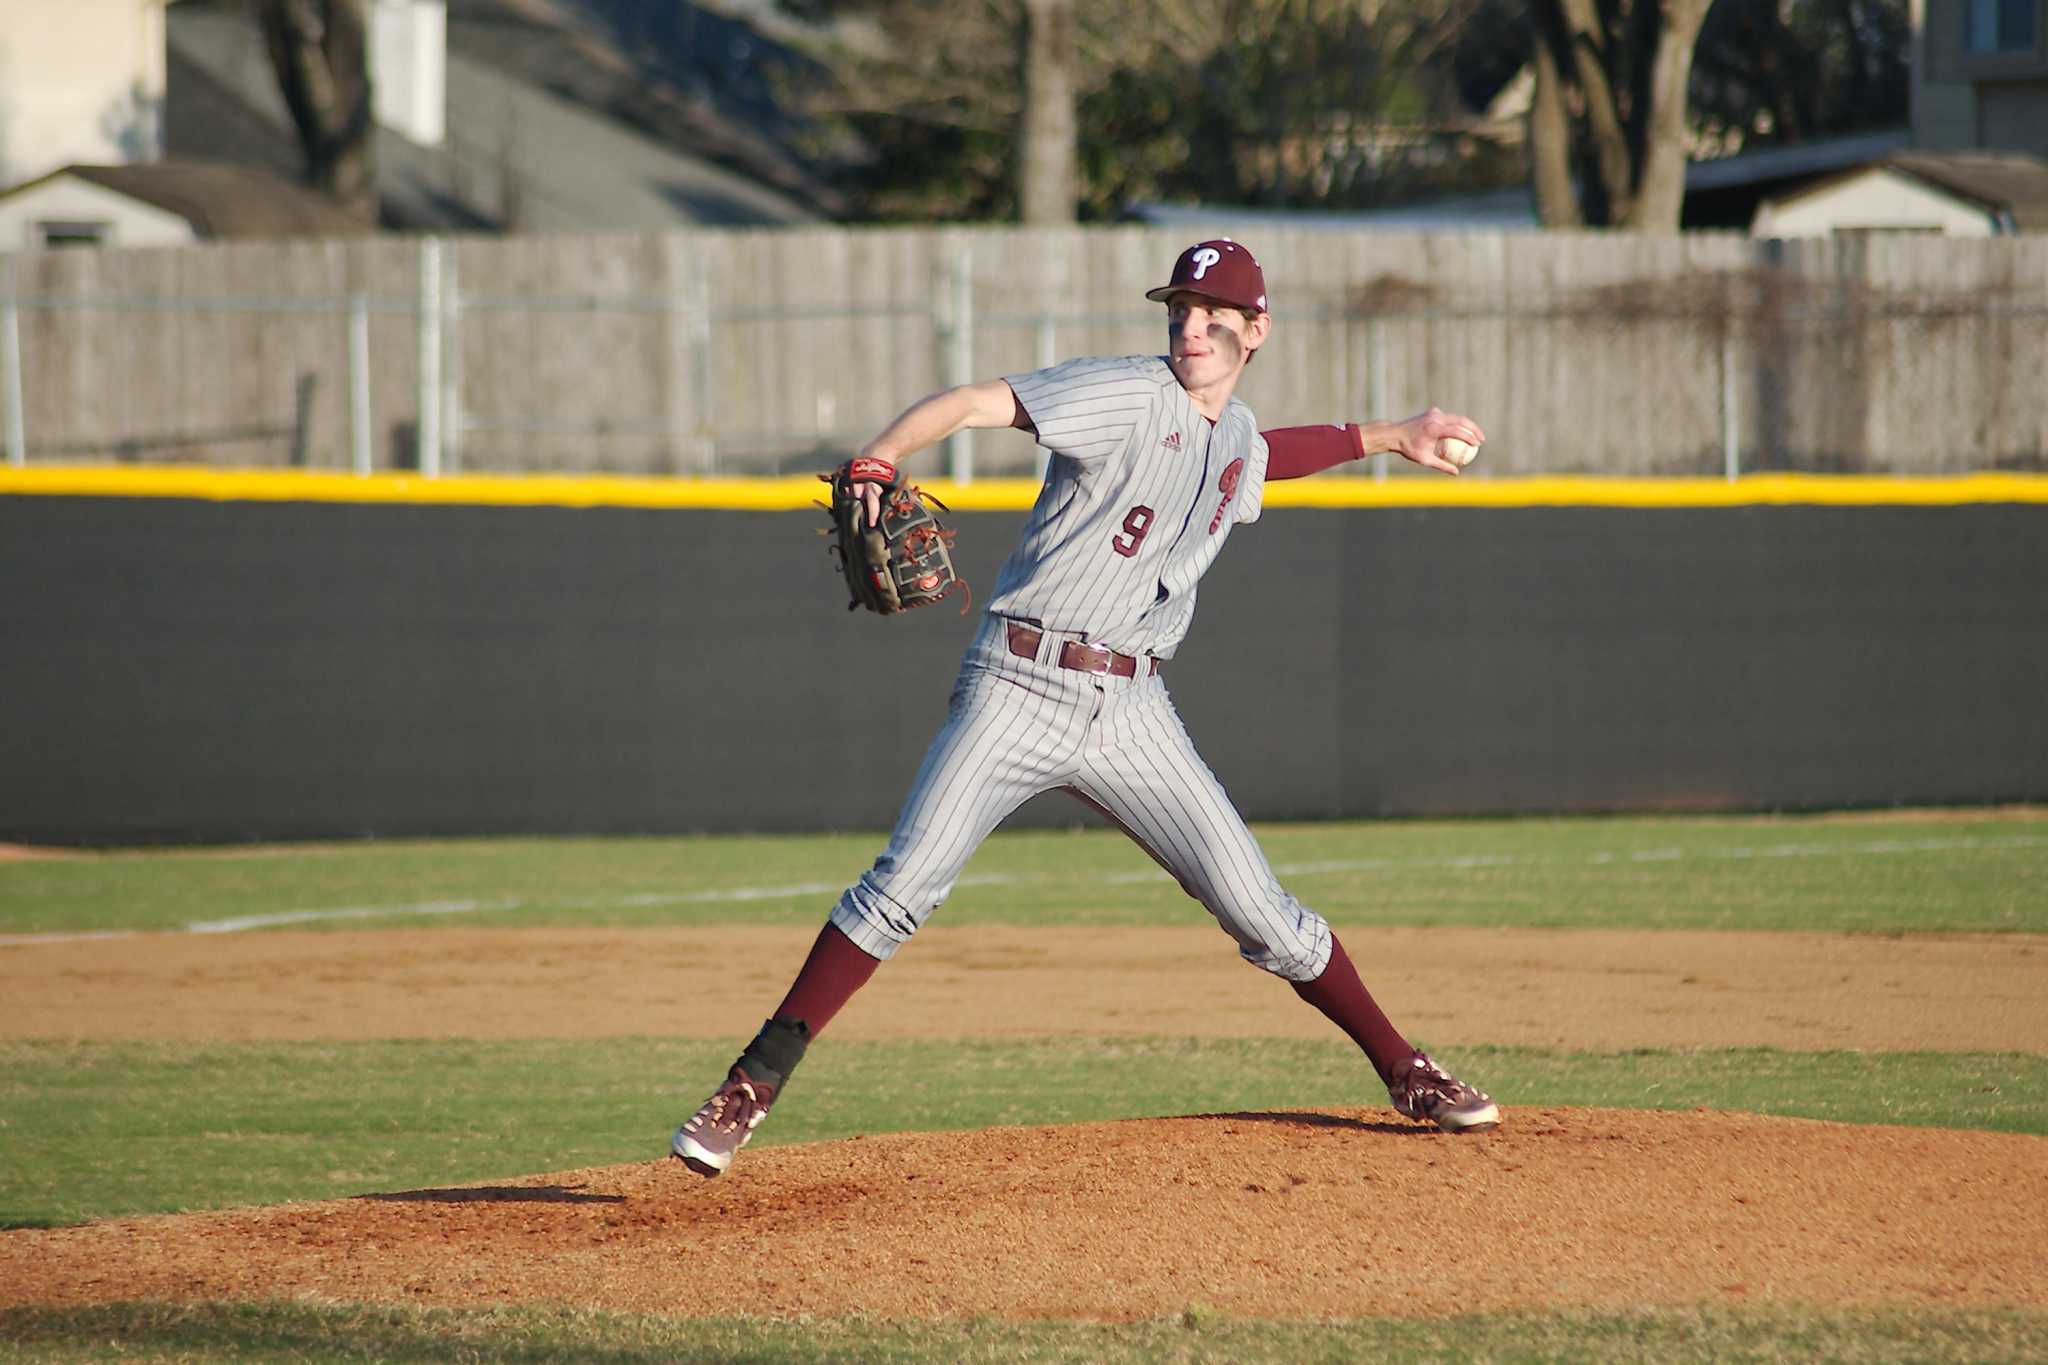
[
  {"x": 894, "y": 553},
  {"x": 871, "y": 478}
]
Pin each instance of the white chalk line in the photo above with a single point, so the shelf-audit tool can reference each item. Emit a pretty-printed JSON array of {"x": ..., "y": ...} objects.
[
  {"x": 21, "y": 940},
  {"x": 241, "y": 923},
  {"x": 1607, "y": 857},
  {"x": 278, "y": 918},
  {"x": 741, "y": 894}
]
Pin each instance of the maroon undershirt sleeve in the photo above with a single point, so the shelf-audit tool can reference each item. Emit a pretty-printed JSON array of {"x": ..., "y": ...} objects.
[{"x": 1295, "y": 451}]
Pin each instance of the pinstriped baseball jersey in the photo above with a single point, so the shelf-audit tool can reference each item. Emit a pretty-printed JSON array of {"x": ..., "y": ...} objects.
[
  {"x": 1140, "y": 494},
  {"x": 1139, "y": 498}
]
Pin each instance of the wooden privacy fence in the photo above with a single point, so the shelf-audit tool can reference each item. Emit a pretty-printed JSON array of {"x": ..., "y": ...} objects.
[{"x": 769, "y": 351}]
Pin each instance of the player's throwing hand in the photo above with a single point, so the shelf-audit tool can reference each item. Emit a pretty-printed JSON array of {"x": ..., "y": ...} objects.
[{"x": 1439, "y": 440}]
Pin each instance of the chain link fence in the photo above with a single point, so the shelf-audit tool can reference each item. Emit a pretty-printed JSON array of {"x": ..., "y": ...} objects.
[{"x": 755, "y": 353}]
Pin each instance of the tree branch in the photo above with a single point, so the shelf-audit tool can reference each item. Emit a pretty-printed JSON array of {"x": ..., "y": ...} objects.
[{"x": 1589, "y": 55}]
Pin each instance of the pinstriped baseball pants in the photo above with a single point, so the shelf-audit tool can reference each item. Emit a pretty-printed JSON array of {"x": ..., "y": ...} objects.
[{"x": 1017, "y": 727}]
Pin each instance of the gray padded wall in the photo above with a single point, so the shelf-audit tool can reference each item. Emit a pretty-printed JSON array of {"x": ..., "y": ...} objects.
[{"x": 187, "y": 670}]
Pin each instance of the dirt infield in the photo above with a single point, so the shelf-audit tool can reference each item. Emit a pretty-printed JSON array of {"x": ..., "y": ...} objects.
[
  {"x": 1329, "y": 1213},
  {"x": 1588, "y": 989},
  {"x": 1309, "y": 1214}
]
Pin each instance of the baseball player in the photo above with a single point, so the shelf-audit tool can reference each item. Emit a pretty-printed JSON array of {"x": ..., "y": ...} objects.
[{"x": 1153, "y": 462}]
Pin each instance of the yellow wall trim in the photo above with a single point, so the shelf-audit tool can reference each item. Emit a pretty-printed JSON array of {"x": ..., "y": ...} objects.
[{"x": 786, "y": 494}]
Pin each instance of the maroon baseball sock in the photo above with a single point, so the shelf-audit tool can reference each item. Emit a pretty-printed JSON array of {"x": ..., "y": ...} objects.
[
  {"x": 835, "y": 969},
  {"x": 1340, "y": 995}
]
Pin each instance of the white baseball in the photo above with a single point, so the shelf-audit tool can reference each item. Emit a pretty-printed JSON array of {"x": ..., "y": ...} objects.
[{"x": 1458, "y": 452}]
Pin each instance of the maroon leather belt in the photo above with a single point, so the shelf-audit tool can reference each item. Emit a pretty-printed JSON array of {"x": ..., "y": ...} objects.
[{"x": 1024, "y": 641}]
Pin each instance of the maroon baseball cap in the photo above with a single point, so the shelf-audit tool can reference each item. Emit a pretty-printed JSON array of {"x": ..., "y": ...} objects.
[{"x": 1218, "y": 269}]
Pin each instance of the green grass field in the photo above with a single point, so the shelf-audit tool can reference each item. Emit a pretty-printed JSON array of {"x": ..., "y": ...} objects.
[
  {"x": 113, "y": 1128},
  {"x": 317, "y": 1333},
  {"x": 96, "y": 1129},
  {"x": 1850, "y": 875}
]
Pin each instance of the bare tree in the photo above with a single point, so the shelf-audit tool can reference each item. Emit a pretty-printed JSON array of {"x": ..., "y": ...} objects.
[
  {"x": 1610, "y": 102},
  {"x": 1046, "y": 188},
  {"x": 320, "y": 52},
  {"x": 930, "y": 93},
  {"x": 1550, "y": 145},
  {"x": 1045, "y": 109}
]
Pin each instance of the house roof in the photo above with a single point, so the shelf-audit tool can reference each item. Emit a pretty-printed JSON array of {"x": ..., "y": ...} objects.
[
  {"x": 219, "y": 200},
  {"x": 530, "y": 150},
  {"x": 1793, "y": 161},
  {"x": 567, "y": 167},
  {"x": 2010, "y": 183},
  {"x": 708, "y": 77}
]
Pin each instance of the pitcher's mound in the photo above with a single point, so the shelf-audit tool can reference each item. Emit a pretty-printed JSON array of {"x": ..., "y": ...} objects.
[{"x": 1309, "y": 1214}]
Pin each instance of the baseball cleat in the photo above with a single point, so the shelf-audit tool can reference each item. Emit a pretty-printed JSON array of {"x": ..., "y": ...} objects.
[
  {"x": 709, "y": 1138},
  {"x": 1423, "y": 1090}
]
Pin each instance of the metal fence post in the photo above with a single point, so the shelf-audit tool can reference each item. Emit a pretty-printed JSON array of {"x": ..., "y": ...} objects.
[
  {"x": 359, "y": 381},
  {"x": 429, "y": 363},
  {"x": 960, "y": 448},
  {"x": 700, "y": 362},
  {"x": 1376, "y": 400},
  {"x": 1731, "y": 443},
  {"x": 10, "y": 374},
  {"x": 451, "y": 363}
]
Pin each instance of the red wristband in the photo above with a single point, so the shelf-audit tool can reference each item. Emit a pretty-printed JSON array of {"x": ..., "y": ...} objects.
[{"x": 867, "y": 469}]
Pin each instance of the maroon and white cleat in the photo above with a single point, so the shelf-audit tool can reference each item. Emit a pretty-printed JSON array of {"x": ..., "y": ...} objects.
[
  {"x": 709, "y": 1138},
  {"x": 1423, "y": 1090}
]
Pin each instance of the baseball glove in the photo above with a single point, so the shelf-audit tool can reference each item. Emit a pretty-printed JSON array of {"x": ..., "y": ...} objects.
[{"x": 907, "y": 560}]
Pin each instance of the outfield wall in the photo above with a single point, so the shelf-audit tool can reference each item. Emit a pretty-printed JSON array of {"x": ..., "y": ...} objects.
[{"x": 181, "y": 668}]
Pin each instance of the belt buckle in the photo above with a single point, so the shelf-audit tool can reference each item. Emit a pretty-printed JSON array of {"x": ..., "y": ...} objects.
[{"x": 1083, "y": 658}]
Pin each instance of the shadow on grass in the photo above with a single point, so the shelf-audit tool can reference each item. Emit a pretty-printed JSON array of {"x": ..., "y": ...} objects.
[{"x": 497, "y": 1194}]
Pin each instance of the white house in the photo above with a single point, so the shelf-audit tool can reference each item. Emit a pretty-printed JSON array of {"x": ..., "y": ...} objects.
[
  {"x": 1956, "y": 194},
  {"x": 529, "y": 141},
  {"x": 80, "y": 81},
  {"x": 65, "y": 208},
  {"x": 164, "y": 203}
]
